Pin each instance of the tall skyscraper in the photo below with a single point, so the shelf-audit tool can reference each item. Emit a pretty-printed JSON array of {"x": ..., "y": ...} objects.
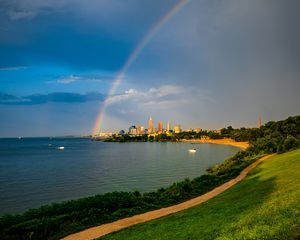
[
  {"x": 168, "y": 126},
  {"x": 259, "y": 121},
  {"x": 160, "y": 127},
  {"x": 150, "y": 129}
]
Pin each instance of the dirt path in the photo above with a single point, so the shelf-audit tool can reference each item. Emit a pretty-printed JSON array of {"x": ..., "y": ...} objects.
[{"x": 98, "y": 231}]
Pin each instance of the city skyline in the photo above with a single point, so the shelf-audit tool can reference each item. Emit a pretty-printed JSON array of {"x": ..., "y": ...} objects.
[
  {"x": 141, "y": 129},
  {"x": 105, "y": 63}
]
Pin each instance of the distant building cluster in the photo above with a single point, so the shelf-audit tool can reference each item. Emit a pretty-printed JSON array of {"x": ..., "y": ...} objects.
[
  {"x": 150, "y": 130},
  {"x": 160, "y": 129},
  {"x": 139, "y": 129}
]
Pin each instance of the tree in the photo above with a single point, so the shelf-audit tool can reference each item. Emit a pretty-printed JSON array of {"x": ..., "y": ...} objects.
[{"x": 289, "y": 143}]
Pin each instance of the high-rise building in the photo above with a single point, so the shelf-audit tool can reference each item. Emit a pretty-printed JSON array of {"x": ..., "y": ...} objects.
[
  {"x": 150, "y": 129},
  {"x": 168, "y": 126},
  {"x": 132, "y": 130},
  {"x": 177, "y": 129},
  {"x": 160, "y": 127}
]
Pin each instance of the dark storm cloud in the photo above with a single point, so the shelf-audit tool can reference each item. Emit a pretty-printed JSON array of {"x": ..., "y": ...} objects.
[
  {"x": 87, "y": 34},
  {"x": 58, "y": 97},
  {"x": 245, "y": 53},
  {"x": 233, "y": 59}
]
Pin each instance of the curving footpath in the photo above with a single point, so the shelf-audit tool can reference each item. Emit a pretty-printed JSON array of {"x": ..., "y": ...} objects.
[{"x": 99, "y": 231}]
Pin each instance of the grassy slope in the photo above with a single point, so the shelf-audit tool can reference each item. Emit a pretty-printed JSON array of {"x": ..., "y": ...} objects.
[{"x": 266, "y": 205}]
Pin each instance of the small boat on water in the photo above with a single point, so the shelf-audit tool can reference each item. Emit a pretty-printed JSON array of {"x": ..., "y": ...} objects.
[
  {"x": 192, "y": 150},
  {"x": 61, "y": 148}
]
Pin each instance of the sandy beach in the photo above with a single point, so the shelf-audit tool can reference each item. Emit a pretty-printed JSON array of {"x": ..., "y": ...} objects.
[{"x": 226, "y": 141}]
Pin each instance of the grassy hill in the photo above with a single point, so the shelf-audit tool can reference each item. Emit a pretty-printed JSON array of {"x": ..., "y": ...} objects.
[{"x": 266, "y": 205}]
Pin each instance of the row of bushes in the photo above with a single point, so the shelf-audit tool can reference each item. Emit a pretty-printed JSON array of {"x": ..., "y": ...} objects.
[{"x": 57, "y": 220}]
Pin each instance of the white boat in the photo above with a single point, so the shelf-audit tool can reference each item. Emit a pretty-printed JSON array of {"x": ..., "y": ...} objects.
[
  {"x": 61, "y": 148},
  {"x": 192, "y": 150}
]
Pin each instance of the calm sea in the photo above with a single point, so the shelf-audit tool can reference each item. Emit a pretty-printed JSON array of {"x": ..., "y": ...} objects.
[{"x": 33, "y": 172}]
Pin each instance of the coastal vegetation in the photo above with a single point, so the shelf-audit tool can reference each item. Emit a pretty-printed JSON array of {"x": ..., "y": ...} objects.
[
  {"x": 59, "y": 219},
  {"x": 280, "y": 136},
  {"x": 265, "y": 205}
]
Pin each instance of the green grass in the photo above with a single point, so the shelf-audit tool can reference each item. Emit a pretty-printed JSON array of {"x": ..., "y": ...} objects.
[{"x": 266, "y": 205}]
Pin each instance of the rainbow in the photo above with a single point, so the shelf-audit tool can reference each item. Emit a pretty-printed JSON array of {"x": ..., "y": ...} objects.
[{"x": 132, "y": 57}]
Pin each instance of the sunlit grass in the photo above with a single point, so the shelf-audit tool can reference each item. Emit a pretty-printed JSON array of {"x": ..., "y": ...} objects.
[{"x": 266, "y": 205}]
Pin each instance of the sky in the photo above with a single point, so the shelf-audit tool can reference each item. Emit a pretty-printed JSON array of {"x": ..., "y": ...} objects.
[{"x": 210, "y": 65}]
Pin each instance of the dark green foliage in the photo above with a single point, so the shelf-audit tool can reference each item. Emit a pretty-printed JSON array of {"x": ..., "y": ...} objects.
[
  {"x": 128, "y": 138},
  {"x": 242, "y": 134},
  {"x": 57, "y": 220},
  {"x": 281, "y": 136}
]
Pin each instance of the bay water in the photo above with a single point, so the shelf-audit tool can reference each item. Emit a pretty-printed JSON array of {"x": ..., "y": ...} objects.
[{"x": 34, "y": 172}]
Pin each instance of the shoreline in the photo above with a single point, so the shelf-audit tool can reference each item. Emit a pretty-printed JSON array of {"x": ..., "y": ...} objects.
[
  {"x": 224, "y": 141},
  {"x": 107, "y": 228}
]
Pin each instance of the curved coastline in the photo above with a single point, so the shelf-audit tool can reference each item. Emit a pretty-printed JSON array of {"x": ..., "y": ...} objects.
[
  {"x": 263, "y": 142},
  {"x": 225, "y": 141},
  {"x": 104, "y": 229}
]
